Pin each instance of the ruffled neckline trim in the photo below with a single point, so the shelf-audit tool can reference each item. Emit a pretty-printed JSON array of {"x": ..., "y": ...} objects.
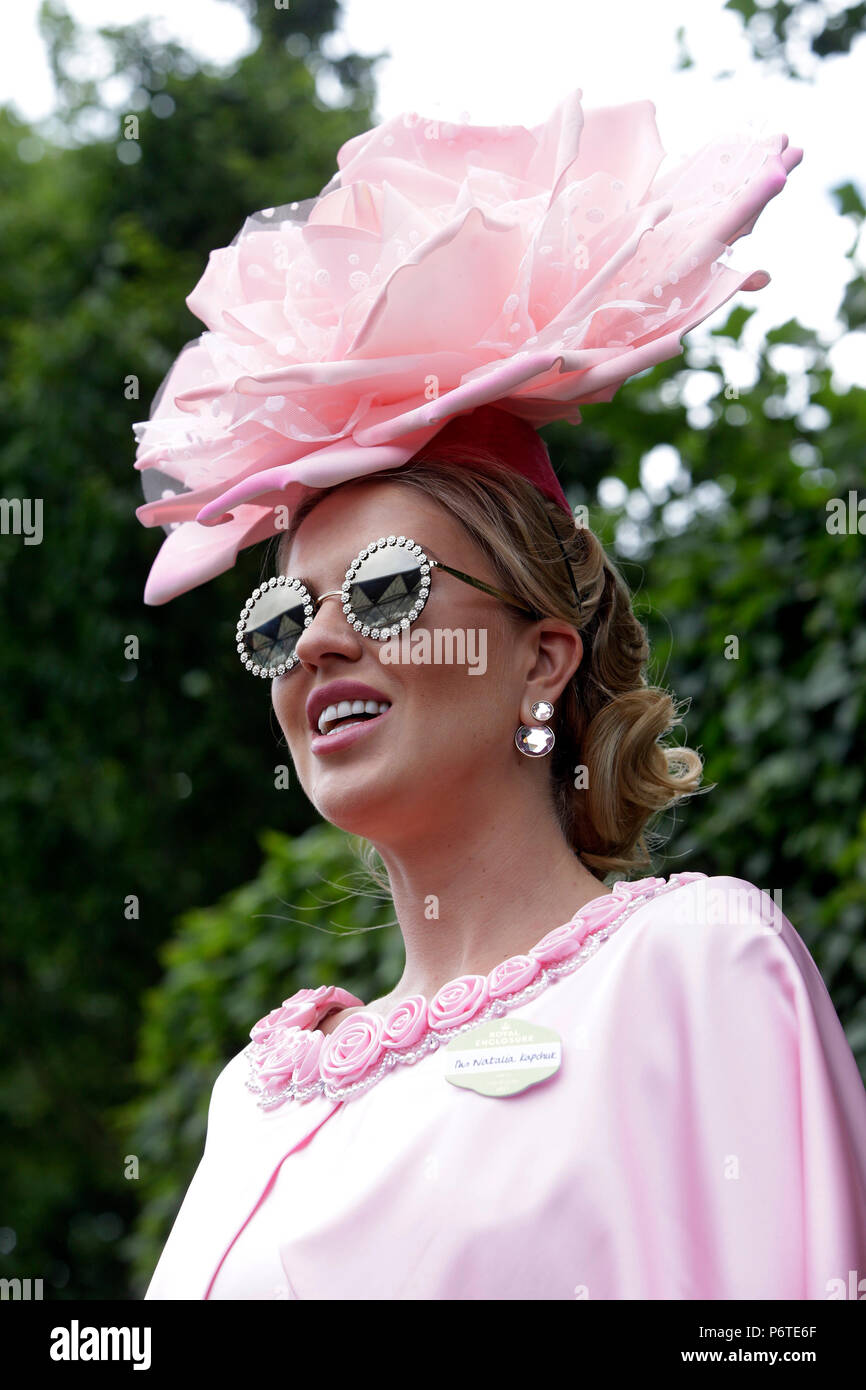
[{"x": 289, "y": 1057}]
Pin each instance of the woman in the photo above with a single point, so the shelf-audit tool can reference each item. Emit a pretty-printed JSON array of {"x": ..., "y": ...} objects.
[{"x": 575, "y": 1090}]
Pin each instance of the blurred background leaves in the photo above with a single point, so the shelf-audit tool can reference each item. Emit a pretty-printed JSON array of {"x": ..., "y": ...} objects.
[{"x": 161, "y": 892}]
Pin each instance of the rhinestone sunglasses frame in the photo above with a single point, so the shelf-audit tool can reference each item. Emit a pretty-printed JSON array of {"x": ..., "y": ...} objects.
[{"x": 383, "y": 634}]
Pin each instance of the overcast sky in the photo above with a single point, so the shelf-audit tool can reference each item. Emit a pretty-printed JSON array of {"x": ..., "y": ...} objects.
[{"x": 492, "y": 61}]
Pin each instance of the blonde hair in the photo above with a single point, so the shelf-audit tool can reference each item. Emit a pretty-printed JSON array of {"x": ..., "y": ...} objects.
[{"x": 608, "y": 718}]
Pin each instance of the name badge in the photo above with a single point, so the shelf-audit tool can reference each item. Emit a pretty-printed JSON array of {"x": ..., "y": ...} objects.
[{"x": 502, "y": 1057}]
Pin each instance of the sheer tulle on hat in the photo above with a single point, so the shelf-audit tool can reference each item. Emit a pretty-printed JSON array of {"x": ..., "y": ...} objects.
[{"x": 442, "y": 269}]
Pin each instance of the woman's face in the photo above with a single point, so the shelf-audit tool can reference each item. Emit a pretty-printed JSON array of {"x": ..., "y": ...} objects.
[{"x": 449, "y": 730}]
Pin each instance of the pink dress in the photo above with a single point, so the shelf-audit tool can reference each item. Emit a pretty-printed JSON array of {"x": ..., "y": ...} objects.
[{"x": 703, "y": 1138}]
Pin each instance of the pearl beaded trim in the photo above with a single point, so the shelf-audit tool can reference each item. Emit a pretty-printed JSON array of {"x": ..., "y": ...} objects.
[{"x": 435, "y": 1038}]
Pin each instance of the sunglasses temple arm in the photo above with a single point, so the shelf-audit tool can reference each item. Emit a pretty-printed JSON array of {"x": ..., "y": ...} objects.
[
  {"x": 486, "y": 588},
  {"x": 565, "y": 561}
]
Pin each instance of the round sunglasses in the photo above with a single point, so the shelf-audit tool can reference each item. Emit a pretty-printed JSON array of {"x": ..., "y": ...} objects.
[{"x": 386, "y": 587}]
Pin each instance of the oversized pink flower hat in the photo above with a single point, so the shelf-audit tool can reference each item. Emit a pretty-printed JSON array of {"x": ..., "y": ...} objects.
[{"x": 444, "y": 268}]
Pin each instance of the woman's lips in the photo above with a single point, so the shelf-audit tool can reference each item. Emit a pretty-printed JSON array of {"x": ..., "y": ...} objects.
[{"x": 342, "y": 738}]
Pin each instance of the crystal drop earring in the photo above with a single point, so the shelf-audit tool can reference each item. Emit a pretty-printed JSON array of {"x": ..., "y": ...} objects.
[{"x": 535, "y": 743}]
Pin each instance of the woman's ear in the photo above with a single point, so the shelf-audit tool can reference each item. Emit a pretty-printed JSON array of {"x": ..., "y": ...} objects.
[{"x": 558, "y": 651}]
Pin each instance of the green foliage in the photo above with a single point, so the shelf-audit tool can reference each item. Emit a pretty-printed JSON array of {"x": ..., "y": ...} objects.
[{"x": 778, "y": 31}]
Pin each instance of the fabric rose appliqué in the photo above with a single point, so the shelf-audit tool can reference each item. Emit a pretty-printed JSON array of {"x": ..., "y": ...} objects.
[
  {"x": 564, "y": 941},
  {"x": 267, "y": 1030},
  {"x": 458, "y": 1001},
  {"x": 513, "y": 974},
  {"x": 277, "y": 1064},
  {"x": 406, "y": 1023},
  {"x": 352, "y": 1050},
  {"x": 302, "y": 1010}
]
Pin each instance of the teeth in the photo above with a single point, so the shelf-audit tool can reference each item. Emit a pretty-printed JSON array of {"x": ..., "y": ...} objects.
[{"x": 347, "y": 707}]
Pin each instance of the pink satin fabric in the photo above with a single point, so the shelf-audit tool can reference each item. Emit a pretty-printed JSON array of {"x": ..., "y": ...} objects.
[{"x": 704, "y": 1138}]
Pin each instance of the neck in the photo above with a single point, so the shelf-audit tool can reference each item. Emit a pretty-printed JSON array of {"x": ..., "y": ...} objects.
[{"x": 475, "y": 889}]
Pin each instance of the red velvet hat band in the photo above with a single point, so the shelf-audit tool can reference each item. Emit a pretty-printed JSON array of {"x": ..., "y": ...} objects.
[{"x": 514, "y": 441}]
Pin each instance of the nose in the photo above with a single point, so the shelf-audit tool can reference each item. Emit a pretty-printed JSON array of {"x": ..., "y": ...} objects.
[{"x": 328, "y": 633}]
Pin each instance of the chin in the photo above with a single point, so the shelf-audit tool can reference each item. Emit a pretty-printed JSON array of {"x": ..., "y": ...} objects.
[
  {"x": 384, "y": 805},
  {"x": 359, "y": 806}
]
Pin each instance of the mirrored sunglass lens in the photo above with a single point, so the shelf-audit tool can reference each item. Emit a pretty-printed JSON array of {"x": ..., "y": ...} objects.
[
  {"x": 275, "y": 623},
  {"x": 386, "y": 587}
]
